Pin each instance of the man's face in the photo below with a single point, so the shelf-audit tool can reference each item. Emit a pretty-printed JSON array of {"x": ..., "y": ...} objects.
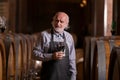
[{"x": 60, "y": 22}]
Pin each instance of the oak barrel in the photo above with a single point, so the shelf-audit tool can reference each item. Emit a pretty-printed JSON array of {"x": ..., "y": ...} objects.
[
  {"x": 14, "y": 56},
  {"x": 28, "y": 43},
  {"x": 10, "y": 58},
  {"x": 97, "y": 56},
  {"x": 24, "y": 56},
  {"x": 2, "y": 61},
  {"x": 114, "y": 66}
]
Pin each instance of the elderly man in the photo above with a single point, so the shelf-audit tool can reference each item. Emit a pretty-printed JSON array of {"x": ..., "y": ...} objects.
[{"x": 55, "y": 48}]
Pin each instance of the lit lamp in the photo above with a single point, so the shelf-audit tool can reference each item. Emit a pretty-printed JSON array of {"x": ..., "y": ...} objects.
[{"x": 83, "y": 3}]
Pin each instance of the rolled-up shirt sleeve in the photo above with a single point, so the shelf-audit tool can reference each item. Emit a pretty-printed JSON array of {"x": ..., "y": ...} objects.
[{"x": 39, "y": 51}]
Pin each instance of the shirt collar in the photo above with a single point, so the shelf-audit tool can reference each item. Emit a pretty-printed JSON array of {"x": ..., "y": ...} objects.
[{"x": 58, "y": 34}]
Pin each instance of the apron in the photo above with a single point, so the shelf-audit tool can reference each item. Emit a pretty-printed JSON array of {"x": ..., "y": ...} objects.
[{"x": 56, "y": 69}]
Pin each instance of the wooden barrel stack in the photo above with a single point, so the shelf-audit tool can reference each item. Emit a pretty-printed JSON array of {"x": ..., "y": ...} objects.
[
  {"x": 97, "y": 56},
  {"x": 15, "y": 56},
  {"x": 16, "y": 62}
]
